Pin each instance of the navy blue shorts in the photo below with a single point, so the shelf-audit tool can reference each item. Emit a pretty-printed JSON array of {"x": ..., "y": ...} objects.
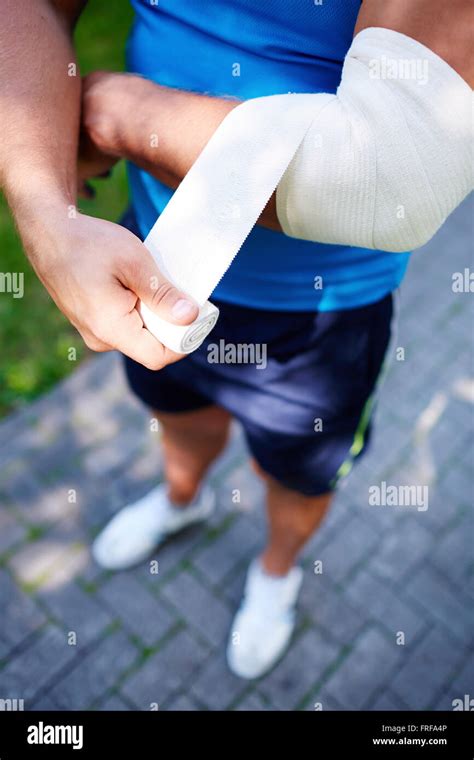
[{"x": 301, "y": 385}]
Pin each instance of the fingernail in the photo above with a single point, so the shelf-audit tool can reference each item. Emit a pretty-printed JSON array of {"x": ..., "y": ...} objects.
[{"x": 182, "y": 309}]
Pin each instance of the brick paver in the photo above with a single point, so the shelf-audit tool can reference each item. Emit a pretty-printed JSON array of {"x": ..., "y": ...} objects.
[{"x": 388, "y": 623}]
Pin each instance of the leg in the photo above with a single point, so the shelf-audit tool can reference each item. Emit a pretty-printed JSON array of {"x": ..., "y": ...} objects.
[
  {"x": 265, "y": 621},
  {"x": 191, "y": 441},
  {"x": 292, "y": 520}
]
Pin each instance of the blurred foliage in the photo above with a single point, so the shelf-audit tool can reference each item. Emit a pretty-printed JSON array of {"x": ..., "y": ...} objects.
[{"x": 35, "y": 338}]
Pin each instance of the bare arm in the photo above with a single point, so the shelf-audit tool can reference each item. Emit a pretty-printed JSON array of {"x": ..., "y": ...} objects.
[
  {"x": 94, "y": 270},
  {"x": 39, "y": 105},
  {"x": 123, "y": 111}
]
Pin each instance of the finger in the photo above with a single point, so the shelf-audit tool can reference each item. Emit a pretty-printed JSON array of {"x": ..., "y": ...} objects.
[
  {"x": 131, "y": 338},
  {"x": 93, "y": 342},
  {"x": 140, "y": 274}
]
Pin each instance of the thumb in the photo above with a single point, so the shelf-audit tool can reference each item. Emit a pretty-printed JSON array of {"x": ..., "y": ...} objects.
[{"x": 143, "y": 278}]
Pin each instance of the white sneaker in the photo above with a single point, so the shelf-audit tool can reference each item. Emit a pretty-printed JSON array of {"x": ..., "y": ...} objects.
[
  {"x": 137, "y": 530},
  {"x": 264, "y": 624}
]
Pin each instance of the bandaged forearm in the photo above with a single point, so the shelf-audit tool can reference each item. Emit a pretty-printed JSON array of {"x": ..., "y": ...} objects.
[
  {"x": 381, "y": 164},
  {"x": 388, "y": 157}
]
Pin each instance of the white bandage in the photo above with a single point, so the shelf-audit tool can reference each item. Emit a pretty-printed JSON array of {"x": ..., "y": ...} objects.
[
  {"x": 390, "y": 157},
  {"x": 381, "y": 164},
  {"x": 215, "y": 207}
]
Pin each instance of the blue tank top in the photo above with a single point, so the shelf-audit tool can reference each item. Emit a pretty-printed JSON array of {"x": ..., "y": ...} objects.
[{"x": 247, "y": 49}]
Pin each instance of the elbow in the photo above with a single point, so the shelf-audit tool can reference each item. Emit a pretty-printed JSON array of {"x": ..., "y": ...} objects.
[
  {"x": 381, "y": 225},
  {"x": 405, "y": 229}
]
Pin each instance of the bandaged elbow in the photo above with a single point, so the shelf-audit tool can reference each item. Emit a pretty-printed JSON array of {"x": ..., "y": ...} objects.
[{"x": 386, "y": 159}]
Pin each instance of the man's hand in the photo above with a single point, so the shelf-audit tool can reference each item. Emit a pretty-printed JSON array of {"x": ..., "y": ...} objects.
[
  {"x": 96, "y": 272},
  {"x": 109, "y": 100}
]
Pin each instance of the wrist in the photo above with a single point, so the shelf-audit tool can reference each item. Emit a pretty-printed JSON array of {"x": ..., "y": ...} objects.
[
  {"x": 32, "y": 185},
  {"x": 43, "y": 211},
  {"x": 174, "y": 126}
]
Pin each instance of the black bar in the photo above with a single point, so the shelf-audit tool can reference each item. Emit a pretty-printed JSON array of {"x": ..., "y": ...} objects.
[{"x": 314, "y": 734}]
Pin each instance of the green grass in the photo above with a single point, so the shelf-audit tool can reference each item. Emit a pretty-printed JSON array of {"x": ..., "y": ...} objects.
[{"x": 35, "y": 338}]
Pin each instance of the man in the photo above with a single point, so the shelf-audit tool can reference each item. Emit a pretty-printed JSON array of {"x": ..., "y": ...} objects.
[{"x": 323, "y": 312}]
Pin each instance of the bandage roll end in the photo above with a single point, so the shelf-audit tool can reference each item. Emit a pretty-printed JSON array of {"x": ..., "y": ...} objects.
[{"x": 183, "y": 339}]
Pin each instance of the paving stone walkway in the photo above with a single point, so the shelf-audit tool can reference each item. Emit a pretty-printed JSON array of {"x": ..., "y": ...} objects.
[{"x": 388, "y": 624}]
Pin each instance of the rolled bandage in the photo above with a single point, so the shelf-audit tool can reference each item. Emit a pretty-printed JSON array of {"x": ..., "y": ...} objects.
[
  {"x": 182, "y": 339},
  {"x": 381, "y": 164}
]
